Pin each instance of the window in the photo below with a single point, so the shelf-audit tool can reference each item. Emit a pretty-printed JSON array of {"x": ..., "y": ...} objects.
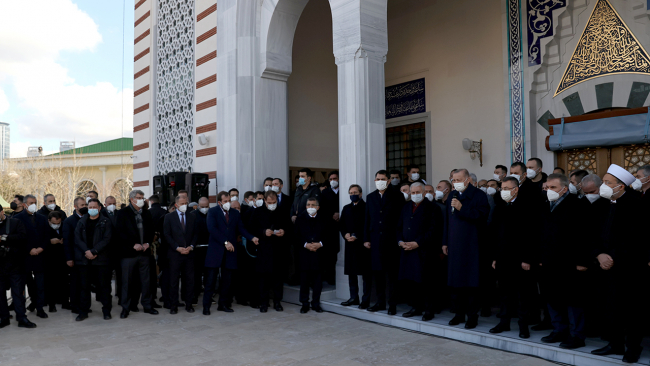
[{"x": 406, "y": 145}]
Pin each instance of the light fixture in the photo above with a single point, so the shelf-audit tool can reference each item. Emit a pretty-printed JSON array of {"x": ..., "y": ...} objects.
[
  {"x": 203, "y": 139},
  {"x": 475, "y": 148}
]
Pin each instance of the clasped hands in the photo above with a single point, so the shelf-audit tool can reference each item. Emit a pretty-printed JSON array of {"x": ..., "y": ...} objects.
[
  {"x": 141, "y": 247},
  {"x": 313, "y": 246},
  {"x": 270, "y": 232},
  {"x": 36, "y": 251},
  {"x": 350, "y": 238},
  {"x": 409, "y": 245},
  {"x": 90, "y": 255}
]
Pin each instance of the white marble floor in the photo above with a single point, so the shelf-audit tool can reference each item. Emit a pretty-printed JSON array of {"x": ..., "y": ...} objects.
[{"x": 245, "y": 337}]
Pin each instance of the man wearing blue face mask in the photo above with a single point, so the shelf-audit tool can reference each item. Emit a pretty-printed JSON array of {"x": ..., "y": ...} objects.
[
  {"x": 305, "y": 190},
  {"x": 92, "y": 245}
]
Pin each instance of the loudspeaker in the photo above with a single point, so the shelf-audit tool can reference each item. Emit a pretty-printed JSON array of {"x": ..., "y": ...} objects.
[
  {"x": 160, "y": 189},
  {"x": 197, "y": 186},
  {"x": 175, "y": 183}
]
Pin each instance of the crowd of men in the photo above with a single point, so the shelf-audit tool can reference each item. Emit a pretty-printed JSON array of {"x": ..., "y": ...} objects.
[{"x": 531, "y": 243}]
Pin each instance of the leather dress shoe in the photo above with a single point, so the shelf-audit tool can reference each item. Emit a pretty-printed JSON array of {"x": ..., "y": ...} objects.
[
  {"x": 225, "y": 309},
  {"x": 304, "y": 309},
  {"x": 4, "y": 322},
  {"x": 392, "y": 310},
  {"x": 608, "y": 350},
  {"x": 376, "y": 307},
  {"x": 278, "y": 307},
  {"x": 264, "y": 309},
  {"x": 42, "y": 314},
  {"x": 472, "y": 322},
  {"x": 317, "y": 309},
  {"x": 52, "y": 309},
  {"x": 500, "y": 328},
  {"x": 364, "y": 305},
  {"x": 524, "y": 332},
  {"x": 206, "y": 311},
  {"x": 457, "y": 319},
  {"x": 411, "y": 313},
  {"x": 25, "y": 323},
  {"x": 155, "y": 305},
  {"x": 554, "y": 337},
  {"x": 428, "y": 315},
  {"x": 189, "y": 309},
  {"x": 81, "y": 317},
  {"x": 632, "y": 355},
  {"x": 542, "y": 326},
  {"x": 134, "y": 309},
  {"x": 108, "y": 316},
  {"x": 151, "y": 311},
  {"x": 350, "y": 302},
  {"x": 124, "y": 314},
  {"x": 572, "y": 343},
  {"x": 173, "y": 311}
]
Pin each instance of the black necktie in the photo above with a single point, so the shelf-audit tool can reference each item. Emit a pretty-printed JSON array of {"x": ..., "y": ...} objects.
[
  {"x": 183, "y": 220},
  {"x": 227, "y": 217}
]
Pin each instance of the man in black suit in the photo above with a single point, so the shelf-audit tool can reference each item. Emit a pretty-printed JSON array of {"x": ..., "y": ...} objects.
[
  {"x": 12, "y": 267},
  {"x": 513, "y": 259},
  {"x": 135, "y": 226},
  {"x": 642, "y": 183},
  {"x": 180, "y": 231},
  {"x": 49, "y": 205},
  {"x": 564, "y": 261},
  {"x": 92, "y": 248},
  {"x": 157, "y": 213},
  {"x": 201, "y": 247},
  {"x": 56, "y": 281},
  {"x": 330, "y": 209},
  {"x": 311, "y": 231},
  {"x": 357, "y": 256},
  {"x": 306, "y": 189},
  {"x": 419, "y": 236},
  {"x": 224, "y": 225},
  {"x": 268, "y": 224},
  {"x": 37, "y": 242},
  {"x": 69, "y": 227},
  {"x": 383, "y": 210}
]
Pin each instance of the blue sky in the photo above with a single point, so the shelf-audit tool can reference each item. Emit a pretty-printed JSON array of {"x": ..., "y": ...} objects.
[{"x": 61, "y": 75}]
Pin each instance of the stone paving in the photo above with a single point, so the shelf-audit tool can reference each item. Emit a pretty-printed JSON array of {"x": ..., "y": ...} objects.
[{"x": 245, "y": 337}]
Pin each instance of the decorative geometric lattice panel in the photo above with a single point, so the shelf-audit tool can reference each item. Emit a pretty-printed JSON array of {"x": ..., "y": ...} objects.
[
  {"x": 582, "y": 160},
  {"x": 636, "y": 157},
  {"x": 175, "y": 86}
]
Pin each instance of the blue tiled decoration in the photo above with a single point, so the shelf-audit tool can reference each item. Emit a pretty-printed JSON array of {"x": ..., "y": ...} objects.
[
  {"x": 540, "y": 25},
  {"x": 516, "y": 80},
  {"x": 405, "y": 99}
]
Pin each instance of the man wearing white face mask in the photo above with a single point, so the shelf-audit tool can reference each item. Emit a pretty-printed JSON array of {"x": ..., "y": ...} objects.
[
  {"x": 36, "y": 243},
  {"x": 534, "y": 172},
  {"x": 500, "y": 172},
  {"x": 49, "y": 205},
  {"x": 201, "y": 247},
  {"x": 575, "y": 182},
  {"x": 419, "y": 235},
  {"x": 642, "y": 182},
  {"x": 563, "y": 262},
  {"x": 181, "y": 236},
  {"x": 405, "y": 188},
  {"x": 529, "y": 191},
  {"x": 413, "y": 175},
  {"x": 269, "y": 268},
  {"x": 136, "y": 229},
  {"x": 110, "y": 208},
  {"x": 330, "y": 209},
  {"x": 383, "y": 207},
  {"x": 624, "y": 264},
  {"x": 311, "y": 231},
  {"x": 224, "y": 225},
  {"x": 56, "y": 270},
  {"x": 465, "y": 230},
  {"x": 244, "y": 279}
]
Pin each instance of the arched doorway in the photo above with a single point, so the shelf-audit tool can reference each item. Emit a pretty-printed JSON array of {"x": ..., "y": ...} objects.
[
  {"x": 120, "y": 190},
  {"x": 84, "y": 187},
  {"x": 312, "y": 94}
]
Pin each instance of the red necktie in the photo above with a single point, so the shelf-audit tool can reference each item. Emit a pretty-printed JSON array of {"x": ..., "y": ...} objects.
[{"x": 227, "y": 217}]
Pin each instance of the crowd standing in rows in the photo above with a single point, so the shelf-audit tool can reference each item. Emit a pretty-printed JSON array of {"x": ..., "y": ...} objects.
[{"x": 568, "y": 248}]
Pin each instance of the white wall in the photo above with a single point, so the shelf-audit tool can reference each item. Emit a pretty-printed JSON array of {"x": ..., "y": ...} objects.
[
  {"x": 312, "y": 91},
  {"x": 456, "y": 45}
]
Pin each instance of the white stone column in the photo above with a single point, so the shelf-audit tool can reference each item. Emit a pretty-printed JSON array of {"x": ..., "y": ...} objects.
[{"x": 360, "y": 45}]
